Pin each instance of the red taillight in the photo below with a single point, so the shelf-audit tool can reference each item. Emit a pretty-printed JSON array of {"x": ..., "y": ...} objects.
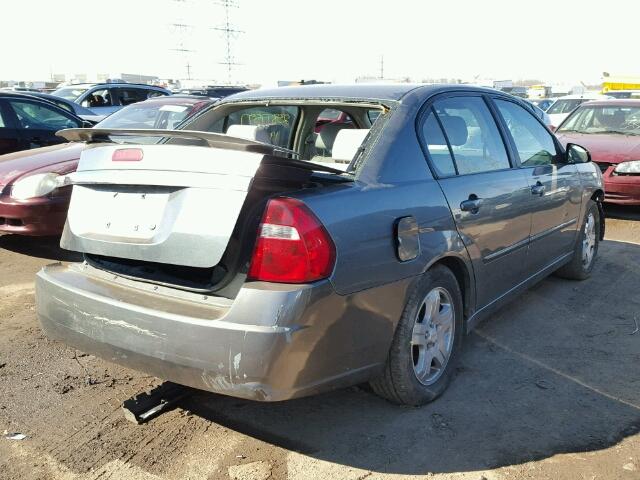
[
  {"x": 127, "y": 155},
  {"x": 292, "y": 246}
]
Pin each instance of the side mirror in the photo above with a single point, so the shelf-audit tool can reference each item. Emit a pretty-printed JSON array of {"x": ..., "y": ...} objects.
[{"x": 577, "y": 154}]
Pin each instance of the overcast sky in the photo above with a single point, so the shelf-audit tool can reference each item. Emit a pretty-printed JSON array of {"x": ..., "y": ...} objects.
[{"x": 334, "y": 40}]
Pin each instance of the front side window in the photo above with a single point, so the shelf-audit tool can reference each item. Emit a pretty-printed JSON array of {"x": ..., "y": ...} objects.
[
  {"x": 533, "y": 142},
  {"x": 623, "y": 120},
  {"x": 472, "y": 133},
  {"x": 98, "y": 98},
  {"x": 38, "y": 116}
]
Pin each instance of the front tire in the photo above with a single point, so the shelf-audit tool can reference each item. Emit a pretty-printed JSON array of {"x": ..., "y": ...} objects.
[
  {"x": 427, "y": 342},
  {"x": 586, "y": 249}
]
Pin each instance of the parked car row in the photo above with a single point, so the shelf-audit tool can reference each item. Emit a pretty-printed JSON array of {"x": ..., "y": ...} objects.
[{"x": 31, "y": 202}]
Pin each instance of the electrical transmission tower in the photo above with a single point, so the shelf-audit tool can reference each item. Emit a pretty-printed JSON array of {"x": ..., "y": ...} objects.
[
  {"x": 230, "y": 34},
  {"x": 182, "y": 29}
]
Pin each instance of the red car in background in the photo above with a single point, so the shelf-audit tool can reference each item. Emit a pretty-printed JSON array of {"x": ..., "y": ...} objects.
[
  {"x": 610, "y": 130},
  {"x": 31, "y": 200}
]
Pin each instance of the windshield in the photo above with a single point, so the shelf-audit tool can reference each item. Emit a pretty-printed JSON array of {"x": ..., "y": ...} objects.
[
  {"x": 604, "y": 119},
  {"x": 565, "y": 106},
  {"x": 70, "y": 93}
]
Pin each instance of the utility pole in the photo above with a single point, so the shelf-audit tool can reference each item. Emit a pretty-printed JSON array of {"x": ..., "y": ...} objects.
[
  {"x": 230, "y": 33},
  {"x": 381, "y": 67}
]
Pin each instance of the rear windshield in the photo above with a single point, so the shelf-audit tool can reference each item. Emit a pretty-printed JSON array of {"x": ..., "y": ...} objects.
[{"x": 150, "y": 115}]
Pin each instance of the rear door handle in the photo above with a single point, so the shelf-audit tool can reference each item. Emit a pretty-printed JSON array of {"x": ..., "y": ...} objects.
[
  {"x": 538, "y": 189},
  {"x": 471, "y": 205}
]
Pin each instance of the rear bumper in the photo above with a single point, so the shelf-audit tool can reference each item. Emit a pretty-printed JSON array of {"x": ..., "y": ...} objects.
[
  {"x": 273, "y": 342},
  {"x": 36, "y": 217},
  {"x": 622, "y": 192}
]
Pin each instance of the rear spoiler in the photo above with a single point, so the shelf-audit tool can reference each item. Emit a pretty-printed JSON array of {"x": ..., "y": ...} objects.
[{"x": 214, "y": 140}]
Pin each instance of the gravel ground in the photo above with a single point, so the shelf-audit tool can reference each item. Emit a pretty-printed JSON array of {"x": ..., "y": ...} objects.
[{"x": 547, "y": 389}]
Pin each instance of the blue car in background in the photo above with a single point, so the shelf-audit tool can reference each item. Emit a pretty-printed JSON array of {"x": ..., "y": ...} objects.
[{"x": 105, "y": 98}]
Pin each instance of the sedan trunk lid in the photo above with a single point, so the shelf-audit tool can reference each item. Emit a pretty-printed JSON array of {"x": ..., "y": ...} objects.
[{"x": 177, "y": 205}]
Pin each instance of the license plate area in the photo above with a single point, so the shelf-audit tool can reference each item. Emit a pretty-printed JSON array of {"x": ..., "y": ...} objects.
[{"x": 126, "y": 214}]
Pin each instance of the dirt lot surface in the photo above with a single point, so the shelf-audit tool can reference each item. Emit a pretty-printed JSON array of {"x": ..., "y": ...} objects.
[{"x": 547, "y": 389}]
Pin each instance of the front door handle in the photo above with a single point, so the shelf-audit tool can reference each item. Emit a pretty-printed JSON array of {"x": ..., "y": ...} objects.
[
  {"x": 538, "y": 189},
  {"x": 471, "y": 205}
]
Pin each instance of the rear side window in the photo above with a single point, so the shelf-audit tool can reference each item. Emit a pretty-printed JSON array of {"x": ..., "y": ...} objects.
[
  {"x": 3, "y": 124},
  {"x": 373, "y": 115},
  {"x": 437, "y": 146},
  {"x": 534, "y": 144},
  {"x": 472, "y": 134},
  {"x": 127, "y": 96}
]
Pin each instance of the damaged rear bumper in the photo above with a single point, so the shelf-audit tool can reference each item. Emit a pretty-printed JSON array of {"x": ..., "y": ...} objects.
[{"x": 273, "y": 342}]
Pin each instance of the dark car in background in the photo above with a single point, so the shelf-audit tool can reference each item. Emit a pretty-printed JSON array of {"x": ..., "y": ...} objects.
[
  {"x": 68, "y": 105},
  {"x": 245, "y": 268},
  {"x": 105, "y": 98},
  {"x": 28, "y": 122},
  {"x": 610, "y": 129},
  {"x": 32, "y": 202}
]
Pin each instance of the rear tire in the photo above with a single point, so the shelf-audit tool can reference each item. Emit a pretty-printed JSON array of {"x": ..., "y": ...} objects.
[
  {"x": 586, "y": 249},
  {"x": 427, "y": 342}
]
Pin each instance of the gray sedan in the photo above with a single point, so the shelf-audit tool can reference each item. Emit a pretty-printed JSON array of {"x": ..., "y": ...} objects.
[{"x": 262, "y": 254}]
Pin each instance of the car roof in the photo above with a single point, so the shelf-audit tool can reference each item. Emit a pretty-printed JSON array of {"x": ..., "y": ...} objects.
[
  {"x": 617, "y": 102},
  {"x": 357, "y": 91},
  {"x": 26, "y": 95},
  {"x": 178, "y": 99},
  {"x": 583, "y": 95}
]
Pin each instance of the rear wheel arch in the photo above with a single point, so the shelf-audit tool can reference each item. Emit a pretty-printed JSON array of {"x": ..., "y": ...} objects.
[{"x": 463, "y": 276}]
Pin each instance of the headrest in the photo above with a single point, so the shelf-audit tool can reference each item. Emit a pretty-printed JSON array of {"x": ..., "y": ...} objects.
[
  {"x": 258, "y": 133},
  {"x": 347, "y": 143},
  {"x": 456, "y": 129},
  {"x": 327, "y": 135}
]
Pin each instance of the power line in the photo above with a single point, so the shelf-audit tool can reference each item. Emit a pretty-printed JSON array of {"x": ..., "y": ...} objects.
[
  {"x": 183, "y": 30},
  {"x": 230, "y": 33}
]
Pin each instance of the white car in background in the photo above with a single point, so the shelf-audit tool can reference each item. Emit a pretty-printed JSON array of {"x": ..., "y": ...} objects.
[{"x": 563, "y": 106}]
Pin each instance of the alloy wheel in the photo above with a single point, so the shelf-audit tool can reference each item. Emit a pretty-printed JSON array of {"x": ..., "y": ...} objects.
[{"x": 433, "y": 336}]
